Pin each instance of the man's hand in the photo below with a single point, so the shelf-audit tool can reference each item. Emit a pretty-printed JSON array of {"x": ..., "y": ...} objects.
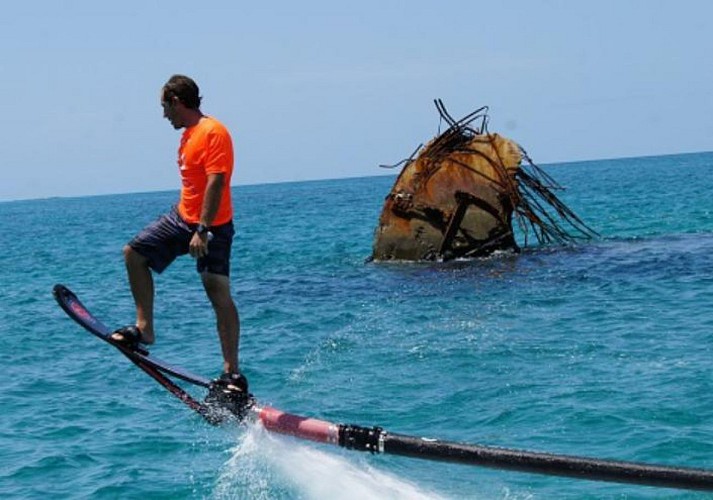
[{"x": 198, "y": 246}]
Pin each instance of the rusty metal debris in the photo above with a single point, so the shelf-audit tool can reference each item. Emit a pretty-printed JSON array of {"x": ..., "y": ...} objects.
[{"x": 456, "y": 196}]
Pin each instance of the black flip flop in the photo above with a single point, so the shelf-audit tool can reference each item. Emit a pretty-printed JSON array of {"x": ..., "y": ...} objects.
[
  {"x": 132, "y": 337},
  {"x": 230, "y": 392},
  {"x": 235, "y": 379}
]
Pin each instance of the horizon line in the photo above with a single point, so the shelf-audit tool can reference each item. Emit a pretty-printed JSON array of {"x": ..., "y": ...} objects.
[{"x": 324, "y": 179}]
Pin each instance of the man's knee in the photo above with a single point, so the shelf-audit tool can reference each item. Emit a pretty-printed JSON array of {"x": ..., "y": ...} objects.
[
  {"x": 217, "y": 287},
  {"x": 133, "y": 258}
]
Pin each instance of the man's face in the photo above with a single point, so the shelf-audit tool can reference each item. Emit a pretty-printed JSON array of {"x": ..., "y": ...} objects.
[{"x": 170, "y": 111}]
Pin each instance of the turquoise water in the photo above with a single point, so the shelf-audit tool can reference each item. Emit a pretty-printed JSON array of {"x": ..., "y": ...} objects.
[{"x": 603, "y": 349}]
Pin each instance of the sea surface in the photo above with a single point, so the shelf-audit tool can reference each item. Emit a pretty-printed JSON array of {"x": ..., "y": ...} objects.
[{"x": 603, "y": 349}]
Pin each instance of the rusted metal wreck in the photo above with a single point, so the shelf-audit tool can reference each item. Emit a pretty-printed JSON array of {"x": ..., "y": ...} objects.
[{"x": 456, "y": 197}]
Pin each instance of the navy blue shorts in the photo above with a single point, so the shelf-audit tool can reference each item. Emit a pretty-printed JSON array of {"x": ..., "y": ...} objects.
[{"x": 169, "y": 236}]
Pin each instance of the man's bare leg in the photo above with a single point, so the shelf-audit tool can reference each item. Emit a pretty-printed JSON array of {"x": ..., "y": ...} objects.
[
  {"x": 142, "y": 289},
  {"x": 217, "y": 288}
]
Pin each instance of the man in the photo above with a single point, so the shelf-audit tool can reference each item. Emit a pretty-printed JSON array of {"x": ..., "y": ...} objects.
[{"x": 201, "y": 225}]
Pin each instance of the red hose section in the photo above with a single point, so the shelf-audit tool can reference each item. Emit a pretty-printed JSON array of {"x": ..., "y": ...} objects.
[{"x": 306, "y": 428}]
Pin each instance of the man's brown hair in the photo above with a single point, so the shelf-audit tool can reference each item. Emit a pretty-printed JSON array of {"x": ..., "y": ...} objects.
[{"x": 185, "y": 89}]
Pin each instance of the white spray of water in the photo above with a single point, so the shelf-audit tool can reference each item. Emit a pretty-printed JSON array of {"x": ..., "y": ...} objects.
[{"x": 264, "y": 466}]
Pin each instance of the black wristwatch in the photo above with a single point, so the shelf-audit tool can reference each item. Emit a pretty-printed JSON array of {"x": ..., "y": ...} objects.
[{"x": 202, "y": 229}]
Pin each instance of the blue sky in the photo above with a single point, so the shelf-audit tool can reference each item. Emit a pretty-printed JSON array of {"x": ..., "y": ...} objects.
[{"x": 317, "y": 89}]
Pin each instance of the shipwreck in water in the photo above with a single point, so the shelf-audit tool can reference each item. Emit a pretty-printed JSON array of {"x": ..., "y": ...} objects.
[{"x": 457, "y": 197}]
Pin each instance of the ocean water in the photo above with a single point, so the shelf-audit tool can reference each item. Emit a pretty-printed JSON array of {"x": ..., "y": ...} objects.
[{"x": 603, "y": 349}]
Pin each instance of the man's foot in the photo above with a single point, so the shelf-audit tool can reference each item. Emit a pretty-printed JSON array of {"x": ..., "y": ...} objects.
[
  {"x": 230, "y": 392},
  {"x": 131, "y": 336}
]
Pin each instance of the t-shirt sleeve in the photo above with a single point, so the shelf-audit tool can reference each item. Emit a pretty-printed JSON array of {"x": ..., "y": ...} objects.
[{"x": 218, "y": 153}]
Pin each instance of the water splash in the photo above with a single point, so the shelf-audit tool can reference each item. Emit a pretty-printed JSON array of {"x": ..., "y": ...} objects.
[{"x": 264, "y": 466}]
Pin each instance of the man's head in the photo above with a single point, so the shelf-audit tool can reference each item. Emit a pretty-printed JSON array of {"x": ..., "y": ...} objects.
[{"x": 181, "y": 101}]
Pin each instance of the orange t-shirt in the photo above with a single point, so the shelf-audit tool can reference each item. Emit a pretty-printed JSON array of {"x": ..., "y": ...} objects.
[{"x": 205, "y": 149}]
